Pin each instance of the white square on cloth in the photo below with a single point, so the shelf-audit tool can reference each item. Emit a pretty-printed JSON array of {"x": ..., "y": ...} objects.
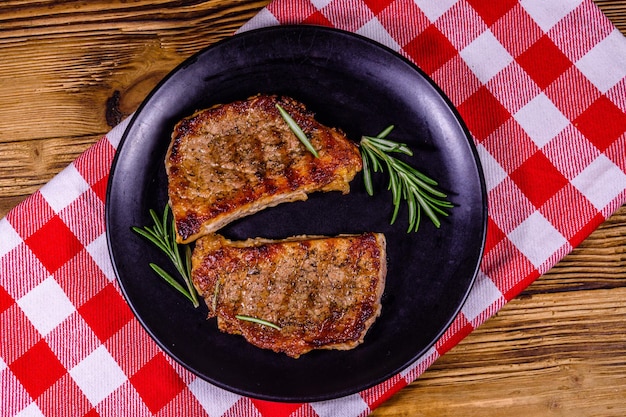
[
  {"x": 352, "y": 405},
  {"x": 605, "y": 63},
  {"x": 486, "y": 56},
  {"x": 435, "y": 9},
  {"x": 484, "y": 294},
  {"x": 46, "y": 306},
  {"x": 548, "y": 12},
  {"x": 99, "y": 252},
  {"x": 262, "y": 19},
  {"x": 32, "y": 410},
  {"x": 494, "y": 173},
  {"x": 98, "y": 375},
  {"x": 376, "y": 31},
  {"x": 320, "y": 4},
  {"x": 215, "y": 401},
  {"x": 64, "y": 188},
  {"x": 541, "y": 120},
  {"x": 537, "y": 239},
  {"x": 601, "y": 181},
  {"x": 10, "y": 239}
]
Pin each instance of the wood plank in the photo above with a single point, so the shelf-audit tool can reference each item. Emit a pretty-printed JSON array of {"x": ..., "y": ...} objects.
[
  {"x": 78, "y": 59},
  {"x": 614, "y": 10},
  {"x": 70, "y": 73},
  {"x": 517, "y": 364},
  {"x": 25, "y": 166}
]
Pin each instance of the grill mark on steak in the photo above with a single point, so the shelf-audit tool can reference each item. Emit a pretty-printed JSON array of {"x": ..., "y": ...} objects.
[
  {"x": 233, "y": 160},
  {"x": 324, "y": 293}
]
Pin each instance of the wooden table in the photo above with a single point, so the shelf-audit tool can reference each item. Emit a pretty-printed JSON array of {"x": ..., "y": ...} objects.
[{"x": 71, "y": 70}]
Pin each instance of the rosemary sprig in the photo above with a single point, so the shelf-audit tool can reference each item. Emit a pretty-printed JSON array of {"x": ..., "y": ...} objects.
[
  {"x": 297, "y": 130},
  {"x": 257, "y": 321},
  {"x": 163, "y": 235},
  {"x": 405, "y": 182}
]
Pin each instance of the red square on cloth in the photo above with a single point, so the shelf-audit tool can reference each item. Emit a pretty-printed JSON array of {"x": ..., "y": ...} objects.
[
  {"x": 377, "y": 6},
  {"x": 54, "y": 244},
  {"x": 283, "y": 11},
  {"x": 37, "y": 369},
  {"x": 92, "y": 413},
  {"x": 430, "y": 49},
  {"x": 490, "y": 11},
  {"x": 6, "y": 300},
  {"x": 274, "y": 409},
  {"x": 494, "y": 235},
  {"x": 593, "y": 123},
  {"x": 317, "y": 18},
  {"x": 100, "y": 188},
  {"x": 518, "y": 287},
  {"x": 538, "y": 179},
  {"x": 544, "y": 62},
  {"x": 157, "y": 382},
  {"x": 483, "y": 113},
  {"x": 106, "y": 312},
  {"x": 587, "y": 229}
]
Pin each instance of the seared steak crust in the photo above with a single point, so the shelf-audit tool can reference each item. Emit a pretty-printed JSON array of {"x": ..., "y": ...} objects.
[
  {"x": 233, "y": 160},
  {"x": 323, "y": 293}
]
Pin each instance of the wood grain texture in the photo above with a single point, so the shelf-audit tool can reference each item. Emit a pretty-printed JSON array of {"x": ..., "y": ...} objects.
[{"x": 69, "y": 70}]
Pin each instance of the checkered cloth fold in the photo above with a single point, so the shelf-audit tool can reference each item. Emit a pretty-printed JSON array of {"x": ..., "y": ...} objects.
[{"x": 541, "y": 86}]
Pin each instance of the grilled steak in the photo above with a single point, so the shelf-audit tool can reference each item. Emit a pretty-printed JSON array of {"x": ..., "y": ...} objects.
[
  {"x": 233, "y": 160},
  {"x": 323, "y": 293}
]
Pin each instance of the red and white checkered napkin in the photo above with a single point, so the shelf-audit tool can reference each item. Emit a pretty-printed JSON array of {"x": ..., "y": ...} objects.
[{"x": 542, "y": 88}]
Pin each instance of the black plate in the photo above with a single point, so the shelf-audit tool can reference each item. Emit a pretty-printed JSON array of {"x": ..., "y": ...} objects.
[{"x": 361, "y": 87}]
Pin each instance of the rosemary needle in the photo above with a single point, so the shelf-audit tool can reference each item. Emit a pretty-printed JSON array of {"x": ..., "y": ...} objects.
[
  {"x": 163, "y": 235},
  {"x": 257, "y": 321},
  {"x": 405, "y": 182},
  {"x": 297, "y": 130}
]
